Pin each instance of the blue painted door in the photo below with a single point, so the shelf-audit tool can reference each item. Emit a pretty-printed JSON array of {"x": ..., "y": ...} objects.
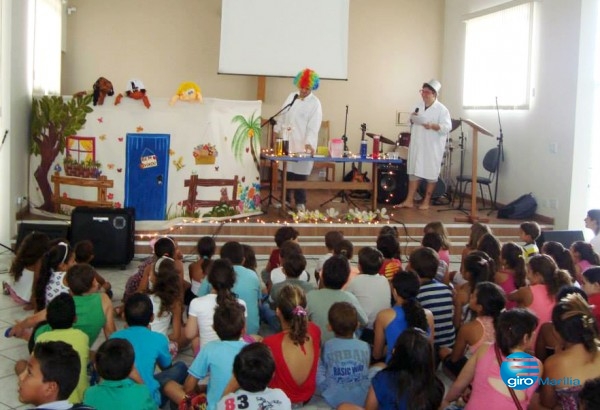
[{"x": 147, "y": 175}]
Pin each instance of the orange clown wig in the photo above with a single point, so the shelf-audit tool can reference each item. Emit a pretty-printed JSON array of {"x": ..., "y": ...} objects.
[{"x": 307, "y": 78}]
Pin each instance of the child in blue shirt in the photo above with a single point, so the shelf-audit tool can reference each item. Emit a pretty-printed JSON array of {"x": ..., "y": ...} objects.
[
  {"x": 151, "y": 348},
  {"x": 114, "y": 363},
  {"x": 215, "y": 358},
  {"x": 343, "y": 373}
]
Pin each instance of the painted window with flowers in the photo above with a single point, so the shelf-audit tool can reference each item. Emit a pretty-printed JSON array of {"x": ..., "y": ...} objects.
[{"x": 80, "y": 154}]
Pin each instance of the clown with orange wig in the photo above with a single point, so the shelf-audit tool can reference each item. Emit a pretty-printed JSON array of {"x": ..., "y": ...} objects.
[{"x": 300, "y": 123}]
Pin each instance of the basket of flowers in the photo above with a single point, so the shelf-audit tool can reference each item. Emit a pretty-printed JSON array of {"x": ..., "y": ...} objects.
[{"x": 205, "y": 154}]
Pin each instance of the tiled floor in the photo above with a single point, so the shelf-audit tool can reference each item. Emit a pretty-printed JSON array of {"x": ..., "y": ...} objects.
[{"x": 12, "y": 349}]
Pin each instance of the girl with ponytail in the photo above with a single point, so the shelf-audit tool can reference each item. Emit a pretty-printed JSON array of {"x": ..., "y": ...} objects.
[
  {"x": 407, "y": 312},
  {"x": 478, "y": 267},
  {"x": 296, "y": 349},
  {"x": 561, "y": 255},
  {"x": 199, "y": 327},
  {"x": 487, "y": 301},
  {"x": 584, "y": 257},
  {"x": 580, "y": 359},
  {"x": 545, "y": 280},
  {"x": 513, "y": 272},
  {"x": 51, "y": 281},
  {"x": 205, "y": 248}
]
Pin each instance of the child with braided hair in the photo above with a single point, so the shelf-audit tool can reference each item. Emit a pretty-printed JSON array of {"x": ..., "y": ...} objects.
[
  {"x": 296, "y": 349},
  {"x": 580, "y": 360}
]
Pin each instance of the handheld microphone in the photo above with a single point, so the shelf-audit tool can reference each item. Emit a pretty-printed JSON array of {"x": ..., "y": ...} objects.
[
  {"x": 294, "y": 99},
  {"x": 417, "y": 110}
]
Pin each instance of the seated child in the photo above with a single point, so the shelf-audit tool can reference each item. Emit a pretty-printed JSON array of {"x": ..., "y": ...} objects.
[
  {"x": 253, "y": 369},
  {"x": 332, "y": 238},
  {"x": 84, "y": 253},
  {"x": 25, "y": 269},
  {"x": 389, "y": 246},
  {"x": 528, "y": 233},
  {"x": 51, "y": 376},
  {"x": 287, "y": 248},
  {"x": 285, "y": 233},
  {"x": 114, "y": 363},
  {"x": 215, "y": 359},
  {"x": 434, "y": 241},
  {"x": 335, "y": 274},
  {"x": 61, "y": 316},
  {"x": 589, "y": 396},
  {"x": 151, "y": 348},
  {"x": 343, "y": 373},
  {"x": 198, "y": 270}
]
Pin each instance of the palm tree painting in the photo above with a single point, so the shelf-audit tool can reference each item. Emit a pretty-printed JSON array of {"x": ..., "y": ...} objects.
[{"x": 248, "y": 130}]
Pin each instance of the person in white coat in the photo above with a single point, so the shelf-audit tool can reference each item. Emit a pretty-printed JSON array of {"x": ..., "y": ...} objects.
[
  {"x": 300, "y": 124},
  {"x": 431, "y": 124}
]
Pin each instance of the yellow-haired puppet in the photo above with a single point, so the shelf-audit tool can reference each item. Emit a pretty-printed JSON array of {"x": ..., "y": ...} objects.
[{"x": 187, "y": 91}]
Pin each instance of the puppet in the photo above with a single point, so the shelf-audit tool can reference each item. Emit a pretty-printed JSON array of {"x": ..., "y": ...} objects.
[
  {"x": 135, "y": 90},
  {"x": 101, "y": 88},
  {"x": 187, "y": 91}
]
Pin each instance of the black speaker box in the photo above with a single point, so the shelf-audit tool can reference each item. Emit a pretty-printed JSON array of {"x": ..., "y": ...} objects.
[
  {"x": 564, "y": 237},
  {"x": 392, "y": 183},
  {"x": 112, "y": 231},
  {"x": 53, "y": 230}
]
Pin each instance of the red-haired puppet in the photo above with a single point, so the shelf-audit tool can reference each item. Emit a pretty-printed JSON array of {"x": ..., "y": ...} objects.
[{"x": 135, "y": 90}]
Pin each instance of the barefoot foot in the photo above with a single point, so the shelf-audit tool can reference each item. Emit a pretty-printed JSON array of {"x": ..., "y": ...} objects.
[{"x": 404, "y": 205}]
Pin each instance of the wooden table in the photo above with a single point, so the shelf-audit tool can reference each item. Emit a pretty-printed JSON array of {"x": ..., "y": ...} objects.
[{"x": 335, "y": 185}]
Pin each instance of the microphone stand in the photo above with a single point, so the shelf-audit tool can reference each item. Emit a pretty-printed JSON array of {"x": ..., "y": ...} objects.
[
  {"x": 271, "y": 121},
  {"x": 500, "y": 157},
  {"x": 342, "y": 194},
  {"x": 459, "y": 186}
]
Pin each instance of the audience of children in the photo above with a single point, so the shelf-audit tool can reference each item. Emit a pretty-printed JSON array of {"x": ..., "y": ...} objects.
[
  {"x": 343, "y": 374},
  {"x": 584, "y": 257},
  {"x": 580, "y": 360},
  {"x": 296, "y": 348},
  {"x": 336, "y": 271},
  {"x": 151, "y": 348},
  {"x": 371, "y": 289},
  {"x": 253, "y": 369},
  {"x": 25, "y": 269},
  {"x": 528, "y": 232},
  {"x": 164, "y": 247},
  {"x": 514, "y": 331},
  {"x": 435, "y": 296},
  {"x": 406, "y": 312},
  {"x": 513, "y": 271},
  {"x": 51, "y": 376},
  {"x": 592, "y": 221},
  {"x": 197, "y": 271},
  {"x": 114, "y": 362},
  {"x": 84, "y": 253},
  {"x": 487, "y": 302},
  {"x": 331, "y": 240},
  {"x": 215, "y": 358}
]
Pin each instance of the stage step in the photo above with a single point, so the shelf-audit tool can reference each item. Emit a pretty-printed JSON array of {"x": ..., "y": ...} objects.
[{"x": 311, "y": 236}]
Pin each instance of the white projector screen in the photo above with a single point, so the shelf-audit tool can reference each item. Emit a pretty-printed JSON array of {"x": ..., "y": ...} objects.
[{"x": 282, "y": 37}]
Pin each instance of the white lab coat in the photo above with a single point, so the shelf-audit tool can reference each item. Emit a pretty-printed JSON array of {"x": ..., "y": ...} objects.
[
  {"x": 304, "y": 118},
  {"x": 426, "y": 149}
]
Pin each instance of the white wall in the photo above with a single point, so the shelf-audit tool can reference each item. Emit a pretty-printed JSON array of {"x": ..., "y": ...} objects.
[
  {"x": 16, "y": 105},
  {"x": 529, "y": 165}
]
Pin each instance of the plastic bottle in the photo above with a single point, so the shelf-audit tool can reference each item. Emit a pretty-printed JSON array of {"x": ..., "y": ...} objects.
[
  {"x": 376, "y": 147},
  {"x": 363, "y": 149}
]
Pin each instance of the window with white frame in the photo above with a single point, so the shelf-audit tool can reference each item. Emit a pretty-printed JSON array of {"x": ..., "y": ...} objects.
[
  {"x": 498, "y": 56},
  {"x": 47, "y": 44}
]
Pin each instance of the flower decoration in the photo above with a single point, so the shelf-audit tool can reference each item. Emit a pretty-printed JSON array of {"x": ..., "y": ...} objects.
[
  {"x": 205, "y": 154},
  {"x": 332, "y": 215}
]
